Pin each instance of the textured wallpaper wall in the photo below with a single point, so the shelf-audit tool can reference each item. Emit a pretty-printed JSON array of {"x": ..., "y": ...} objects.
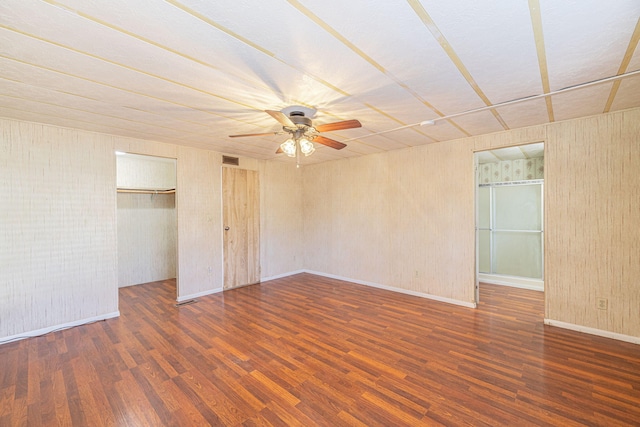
[
  {"x": 58, "y": 228},
  {"x": 404, "y": 219},
  {"x": 395, "y": 219},
  {"x": 58, "y": 255},
  {"x": 147, "y": 238},
  {"x": 511, "y": 170}
]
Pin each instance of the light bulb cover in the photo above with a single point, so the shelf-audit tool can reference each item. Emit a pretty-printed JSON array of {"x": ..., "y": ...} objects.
[
  {"x": 289, "y": 147},
  {"x": 306, "y": 146}
]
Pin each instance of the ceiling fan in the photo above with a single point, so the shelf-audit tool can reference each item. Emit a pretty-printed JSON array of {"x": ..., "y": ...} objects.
[{"x": 303, "y": 132}]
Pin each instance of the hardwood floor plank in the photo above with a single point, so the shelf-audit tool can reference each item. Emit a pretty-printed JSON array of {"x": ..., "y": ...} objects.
[{"x": 313, "y": 351}]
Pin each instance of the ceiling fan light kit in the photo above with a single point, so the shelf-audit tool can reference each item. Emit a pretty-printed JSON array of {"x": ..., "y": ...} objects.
[{"x": 303, "y": 133}]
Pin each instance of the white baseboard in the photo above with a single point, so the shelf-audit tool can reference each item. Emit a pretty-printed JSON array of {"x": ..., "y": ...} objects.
[
  {"x": 198, "y": 294},
  {"x": 593, "y": 331},
  {"x": 513, "y": 281},
  {"x": 400, "y": 290},
  {"x": 216, "y": 290},
  {"x": 43, "y": 331},
  {"x": 280, "y": 276}
]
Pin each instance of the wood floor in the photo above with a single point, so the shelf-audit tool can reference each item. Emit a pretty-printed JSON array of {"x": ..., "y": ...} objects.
[{"x": 307, "y": 350}]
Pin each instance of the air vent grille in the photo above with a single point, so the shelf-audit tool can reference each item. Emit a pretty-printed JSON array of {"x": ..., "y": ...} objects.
[{"x": 228, "y": 160}]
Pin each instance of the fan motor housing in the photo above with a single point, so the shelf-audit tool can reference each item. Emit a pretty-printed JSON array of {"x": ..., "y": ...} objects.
[{"x": 299, "y": 118}]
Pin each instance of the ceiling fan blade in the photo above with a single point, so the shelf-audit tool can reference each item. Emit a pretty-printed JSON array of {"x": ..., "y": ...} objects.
[
  {"x": 281, "y": 117},
  {"x": 254, "y": 134},
  {"x": 347, "y": 124},
  {"x": 329, "y": 142}
]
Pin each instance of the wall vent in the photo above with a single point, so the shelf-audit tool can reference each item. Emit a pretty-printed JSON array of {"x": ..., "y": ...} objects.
[{"x": 228, "y": 160}]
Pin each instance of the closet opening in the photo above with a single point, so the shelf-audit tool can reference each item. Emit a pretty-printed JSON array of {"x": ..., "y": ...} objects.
[
  {"x": 146, "y": 220},
  {"x": 509, "y": 216}
]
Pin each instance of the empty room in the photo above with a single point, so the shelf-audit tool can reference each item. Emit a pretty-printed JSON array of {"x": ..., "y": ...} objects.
[{"x": 332, "y": 213}]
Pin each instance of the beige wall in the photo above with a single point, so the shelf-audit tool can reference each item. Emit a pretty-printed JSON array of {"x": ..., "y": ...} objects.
[
  {"x": 396, "y": 219},
  {"x": 58, "y": 258},
  {"x": 147, "y": 235},
  {"x": 282, "y": 240},
  {"x": 593, "y": 222},
  {"x": 58, "y": 253},
  {"x": 404, "y": 220}
]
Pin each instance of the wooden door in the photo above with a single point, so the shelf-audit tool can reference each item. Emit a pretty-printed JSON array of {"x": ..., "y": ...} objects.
[{"x": 241, "y": 217}]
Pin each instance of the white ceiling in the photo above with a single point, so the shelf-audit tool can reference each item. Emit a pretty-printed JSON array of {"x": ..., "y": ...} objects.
[
  {"x": 193, "y": 72},
  {"x": 528, "y": 151}
]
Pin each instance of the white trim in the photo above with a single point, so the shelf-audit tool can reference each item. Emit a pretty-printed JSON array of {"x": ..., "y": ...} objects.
[
  {"x": 593, "y": 331},
  {"x": 43, "y": 331},
  {"x": 217, "y": 290},
  {"x": 513, "y": 281},
  {"x": 393, "y": 289},
  {"x": 198, "y": 294},
  {"x": 280, "y": 276}
]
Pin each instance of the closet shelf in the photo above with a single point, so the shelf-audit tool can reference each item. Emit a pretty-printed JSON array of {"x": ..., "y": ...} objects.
[{"x": 144, "y": 191}]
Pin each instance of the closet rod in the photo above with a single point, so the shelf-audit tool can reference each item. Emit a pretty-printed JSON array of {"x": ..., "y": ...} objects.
[{"x": 129, "y": 190}]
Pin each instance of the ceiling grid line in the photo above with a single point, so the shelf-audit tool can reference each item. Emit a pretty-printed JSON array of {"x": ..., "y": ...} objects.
[
  {"x": 446, "y": 46},
  {"x": 538, "y": 34},
  {"x": 626, "y": 59}
]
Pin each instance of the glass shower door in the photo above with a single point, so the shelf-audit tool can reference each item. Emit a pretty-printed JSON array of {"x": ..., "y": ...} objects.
[{"x": 510, "y": 230}]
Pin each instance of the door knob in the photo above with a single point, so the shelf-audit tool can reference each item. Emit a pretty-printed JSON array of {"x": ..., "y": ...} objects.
[{"x": 226, "y": 228}]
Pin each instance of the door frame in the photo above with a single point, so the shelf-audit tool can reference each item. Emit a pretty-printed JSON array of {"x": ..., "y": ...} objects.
[{"x": 476, "y": 213}]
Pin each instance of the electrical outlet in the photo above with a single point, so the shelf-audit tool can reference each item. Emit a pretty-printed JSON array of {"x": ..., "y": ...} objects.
[{"x": 601, "y": 303}]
